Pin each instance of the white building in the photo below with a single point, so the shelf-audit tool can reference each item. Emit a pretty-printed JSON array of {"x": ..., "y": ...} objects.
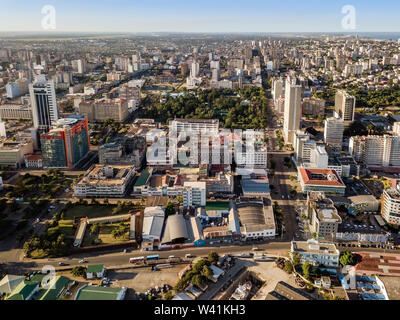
[
  {"x": 105, "y": 181},
  {"x": 292, "y": 114},
  {"x": 194, "y": 194},
  {"x": 318, "y": 254},
  {"x": 376, "y": 151},
  {"x": 345, "y": 106},
  {"x": 44, "y": 103},
  {"x": 391, "y": 206},
  {"x": 194, "y": 125}
]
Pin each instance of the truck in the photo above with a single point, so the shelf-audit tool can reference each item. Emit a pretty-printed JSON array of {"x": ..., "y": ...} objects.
[{"x": 163, "y": 266}]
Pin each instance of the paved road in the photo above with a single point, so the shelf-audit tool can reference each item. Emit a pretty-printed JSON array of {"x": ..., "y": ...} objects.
[{"x": 120, "y": 258}]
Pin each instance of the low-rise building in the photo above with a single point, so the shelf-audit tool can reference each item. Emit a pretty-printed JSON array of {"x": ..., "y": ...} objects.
[
  {"x": 316, "y": 253},
  {"x": 12, "y": 153},
  {"x": 194, "y": 194},
  {"x": 105, "y": 181},
  {"x": 256, "y": 217},
  {"x": 95, "y": 271},
  {"x": 15, "y": 112},
  {"x": 323, "y": 180}
]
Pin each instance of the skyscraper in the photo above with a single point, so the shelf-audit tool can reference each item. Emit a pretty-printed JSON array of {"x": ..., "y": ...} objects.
[
  {"x": 44, "y": 103},
  {"x": 66, "y": 144},
  {"x": 333, "y": 131},
  {"x": 345, "y": 105},
  {"x": 194, "y": 72},
  {"x": 292, "y": 114}
]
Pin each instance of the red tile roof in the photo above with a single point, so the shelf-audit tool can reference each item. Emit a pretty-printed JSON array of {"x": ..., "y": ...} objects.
[
  {"x": 379, "y": 263},
  {"x": 33, "y": 157},
  {"x": 307, "y": 177}
]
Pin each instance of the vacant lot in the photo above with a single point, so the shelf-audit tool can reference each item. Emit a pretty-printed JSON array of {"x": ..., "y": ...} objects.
[
  {"x": 143, "y": 279},
  {"x": 104, "y": 236},
  {"x": 90, "y": 211}
]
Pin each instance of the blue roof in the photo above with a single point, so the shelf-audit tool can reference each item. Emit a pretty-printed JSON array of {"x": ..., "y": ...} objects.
[{"x": 255, "y": 186}]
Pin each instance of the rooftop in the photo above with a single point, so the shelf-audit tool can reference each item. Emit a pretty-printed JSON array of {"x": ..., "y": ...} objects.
[
  {"x": 321, "y": 177},
  {"x": 98, "y": 293},
  {"x": 314, "y": 246}
]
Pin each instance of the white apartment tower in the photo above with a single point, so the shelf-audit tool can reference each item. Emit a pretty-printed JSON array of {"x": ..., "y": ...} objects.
[
  {"x": 376, "y": 151},
  {"x": 292, "y": 114},
  {"x": 345, "y": 105},
  {"x": 195, "y": 69}
]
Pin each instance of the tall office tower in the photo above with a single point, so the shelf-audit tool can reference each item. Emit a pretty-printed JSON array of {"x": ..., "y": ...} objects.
[
  {"x": 44, "y": 103},
  {"x": 214, "y": 64},
  {"x": 396, "y": 128},
  {"x": 292, "y": 114},
  {"x": 345, "y": 106},
  {"x": 333, "y": 131},
  {"x": 215, "y": 75},
  {"x": 277, "y": 88},
  {"x": 66, "y": 144},
  {"x": 79, "y": 66},
  {"x": 194, "y": 71}
]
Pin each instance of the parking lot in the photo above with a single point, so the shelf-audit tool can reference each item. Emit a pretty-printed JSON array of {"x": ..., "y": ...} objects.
[{"x": 356, "y": 188}]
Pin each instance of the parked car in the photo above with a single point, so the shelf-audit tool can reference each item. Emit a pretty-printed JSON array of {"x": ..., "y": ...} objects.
[{"x": 83, "y": 261}]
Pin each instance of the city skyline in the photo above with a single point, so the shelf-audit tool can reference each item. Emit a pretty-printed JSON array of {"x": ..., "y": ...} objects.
[{"x": 206, "y": 16}]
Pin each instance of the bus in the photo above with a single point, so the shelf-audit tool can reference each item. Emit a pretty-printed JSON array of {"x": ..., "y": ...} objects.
[
  {"x": 153, "y": 257},
  {"x": 136, "y": 260}
]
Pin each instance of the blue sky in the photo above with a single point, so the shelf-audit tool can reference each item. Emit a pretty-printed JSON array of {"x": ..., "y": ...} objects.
[{"x": 200, "y": 15}]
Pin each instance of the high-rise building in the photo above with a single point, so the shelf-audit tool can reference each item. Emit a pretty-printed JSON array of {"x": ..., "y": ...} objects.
[
  {"x": 13, "y": 90},
  {"x": 396, "y": 128},
  {"x": 44, "y": 103},
  {"x": 195, "y": 69},
  {"x": 215, "y": 75},
  {"x": 66, "y": 144},
  {"x": 333, "y": 131},
  {"x": 292, "y": 114},
  {"x": 376, "y": 151},
  {"x": 345, "y": 105},
  {"x": 313, "y": 107},
  {"x": 277, "y": 88}
]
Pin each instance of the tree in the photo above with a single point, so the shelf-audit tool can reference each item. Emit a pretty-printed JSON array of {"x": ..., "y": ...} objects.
[
  {"x": 207, "y": 272},
  {"x": 197, "y": 280},
  {"x": 79, "y": 271},
  {"x": 94, "y": 229},
  {"x": 170, "y": 209},
  {"x": 213, "y": 257},
  {"x": 288, "y": 267},
  {"x": 307, "y": 270},
  {"x": 168, "y": 295},
  {"x": 347, "y": 259}
]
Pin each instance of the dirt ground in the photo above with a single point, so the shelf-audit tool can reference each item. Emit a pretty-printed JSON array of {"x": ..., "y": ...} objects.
[{"x": 143, "y": 279}]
